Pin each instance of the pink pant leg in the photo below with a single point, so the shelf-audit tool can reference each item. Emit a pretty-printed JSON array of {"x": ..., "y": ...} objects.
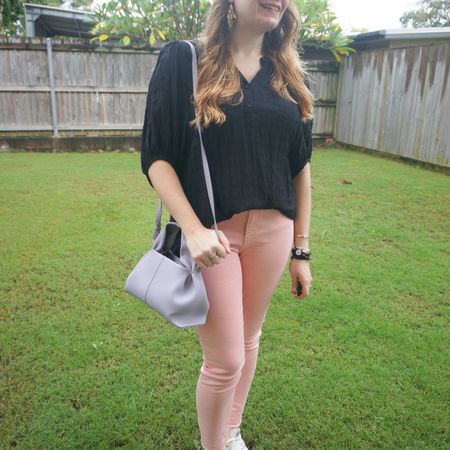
[
  {"x": 263, "y": 260},
  {"x": 221, "y": 338},
  {"x": 239, "y": 291}
]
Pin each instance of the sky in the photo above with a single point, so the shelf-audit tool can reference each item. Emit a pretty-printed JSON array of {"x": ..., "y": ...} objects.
[{"x": 370, "y": 14}]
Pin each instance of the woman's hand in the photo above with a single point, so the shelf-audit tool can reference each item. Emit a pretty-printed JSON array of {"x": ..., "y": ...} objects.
[
  {"x": 299, "y": 270},
  {"x": 204, "y": 243}
]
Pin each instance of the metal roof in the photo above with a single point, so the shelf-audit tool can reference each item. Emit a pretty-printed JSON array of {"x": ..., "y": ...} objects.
[
  {"x": 403, "y": 33},
  {"x": 42, "y": 20}
]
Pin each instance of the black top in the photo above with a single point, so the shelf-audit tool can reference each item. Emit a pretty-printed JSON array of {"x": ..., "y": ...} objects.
[{"x": 252, "y": 156}]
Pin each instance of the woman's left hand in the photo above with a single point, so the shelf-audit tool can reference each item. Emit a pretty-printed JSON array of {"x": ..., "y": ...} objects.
[{"x": 299, "y": 270}]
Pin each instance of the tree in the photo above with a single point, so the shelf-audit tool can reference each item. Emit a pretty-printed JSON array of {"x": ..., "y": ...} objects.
[
  {"x": 147, "y": 21},
  {"x": 320, "y": 30},
  {"x": 431, "y": 13},
  {"x": 10, "y": 11},
  {"x": 84, "y": 5}
]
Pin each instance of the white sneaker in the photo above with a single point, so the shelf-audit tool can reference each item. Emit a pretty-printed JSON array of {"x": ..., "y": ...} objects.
[{"x": 235, "y": 441}]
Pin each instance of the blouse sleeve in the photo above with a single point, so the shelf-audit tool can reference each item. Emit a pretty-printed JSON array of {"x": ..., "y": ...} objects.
[
  {"x": 301, "y": 149},
  {"x": 167, "y": 108}
]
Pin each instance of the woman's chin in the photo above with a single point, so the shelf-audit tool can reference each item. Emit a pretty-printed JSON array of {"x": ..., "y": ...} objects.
[{"x": 269, "y": 28}]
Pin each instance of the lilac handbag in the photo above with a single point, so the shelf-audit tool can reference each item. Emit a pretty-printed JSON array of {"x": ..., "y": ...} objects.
[{"x": 165, "y": 278}]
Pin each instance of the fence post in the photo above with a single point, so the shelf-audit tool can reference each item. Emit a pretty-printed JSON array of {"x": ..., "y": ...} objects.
[{"x": 51, "y": 78}]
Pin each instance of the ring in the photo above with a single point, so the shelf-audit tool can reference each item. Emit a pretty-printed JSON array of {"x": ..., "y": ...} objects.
[{"x": 197, "y": 268}]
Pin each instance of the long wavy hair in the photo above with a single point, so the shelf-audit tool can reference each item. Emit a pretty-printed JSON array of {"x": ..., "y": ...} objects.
[{"x": 218, "y": 79}]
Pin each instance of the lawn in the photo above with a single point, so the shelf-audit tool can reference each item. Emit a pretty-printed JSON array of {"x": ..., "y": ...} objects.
[{"x": 361, "y": 363}]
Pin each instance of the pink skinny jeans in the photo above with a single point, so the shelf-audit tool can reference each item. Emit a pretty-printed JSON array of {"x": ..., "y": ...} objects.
[{"x": 239, "y": 291}]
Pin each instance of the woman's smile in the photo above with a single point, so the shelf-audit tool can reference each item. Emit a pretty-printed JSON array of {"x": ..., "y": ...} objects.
[{"x": 270, "y": 8}]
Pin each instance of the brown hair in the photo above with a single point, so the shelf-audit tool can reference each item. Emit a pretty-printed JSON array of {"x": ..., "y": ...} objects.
[{"x": 218, "y": 79}]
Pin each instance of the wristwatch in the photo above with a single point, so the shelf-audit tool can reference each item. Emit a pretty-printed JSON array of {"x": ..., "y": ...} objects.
[{"x": 301, "y": 253}]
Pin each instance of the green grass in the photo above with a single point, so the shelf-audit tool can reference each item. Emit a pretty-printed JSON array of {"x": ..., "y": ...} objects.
[{"x": 361, "y": 363}]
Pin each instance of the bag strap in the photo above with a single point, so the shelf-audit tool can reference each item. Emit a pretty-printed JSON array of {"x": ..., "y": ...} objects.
[{"x": 204, "y": 159}]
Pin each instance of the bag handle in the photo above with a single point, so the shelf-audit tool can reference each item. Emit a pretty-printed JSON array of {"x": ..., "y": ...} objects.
[{"x": 204, "y": 159}]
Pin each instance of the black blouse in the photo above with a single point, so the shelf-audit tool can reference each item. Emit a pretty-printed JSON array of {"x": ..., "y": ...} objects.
[{"x": 252, "y": 156}]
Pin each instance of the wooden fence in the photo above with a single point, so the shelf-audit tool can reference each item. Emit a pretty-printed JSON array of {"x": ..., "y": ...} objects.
[
  {"x": 73, "y": 95},
  {"x": 397, "y": 100},
  {"x": 70, "y": 94}
]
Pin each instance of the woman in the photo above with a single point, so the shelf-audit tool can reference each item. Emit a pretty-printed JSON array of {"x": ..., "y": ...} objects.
[{"x": 256, "y": 114}]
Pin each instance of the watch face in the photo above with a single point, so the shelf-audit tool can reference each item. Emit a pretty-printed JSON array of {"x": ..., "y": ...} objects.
[{"x": 298, "y": 251}]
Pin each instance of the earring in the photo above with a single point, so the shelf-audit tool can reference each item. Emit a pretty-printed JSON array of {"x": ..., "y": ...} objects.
[{"x": 231, "y": 16}]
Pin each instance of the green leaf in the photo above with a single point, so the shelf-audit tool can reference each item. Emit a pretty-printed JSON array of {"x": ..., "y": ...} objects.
[
  {"x": 152, "y": 38},
  {"x": 161, "y": 34}
]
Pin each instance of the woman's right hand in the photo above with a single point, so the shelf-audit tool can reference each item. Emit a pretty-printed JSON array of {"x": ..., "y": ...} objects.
[{"x": 204, "y": 243}]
